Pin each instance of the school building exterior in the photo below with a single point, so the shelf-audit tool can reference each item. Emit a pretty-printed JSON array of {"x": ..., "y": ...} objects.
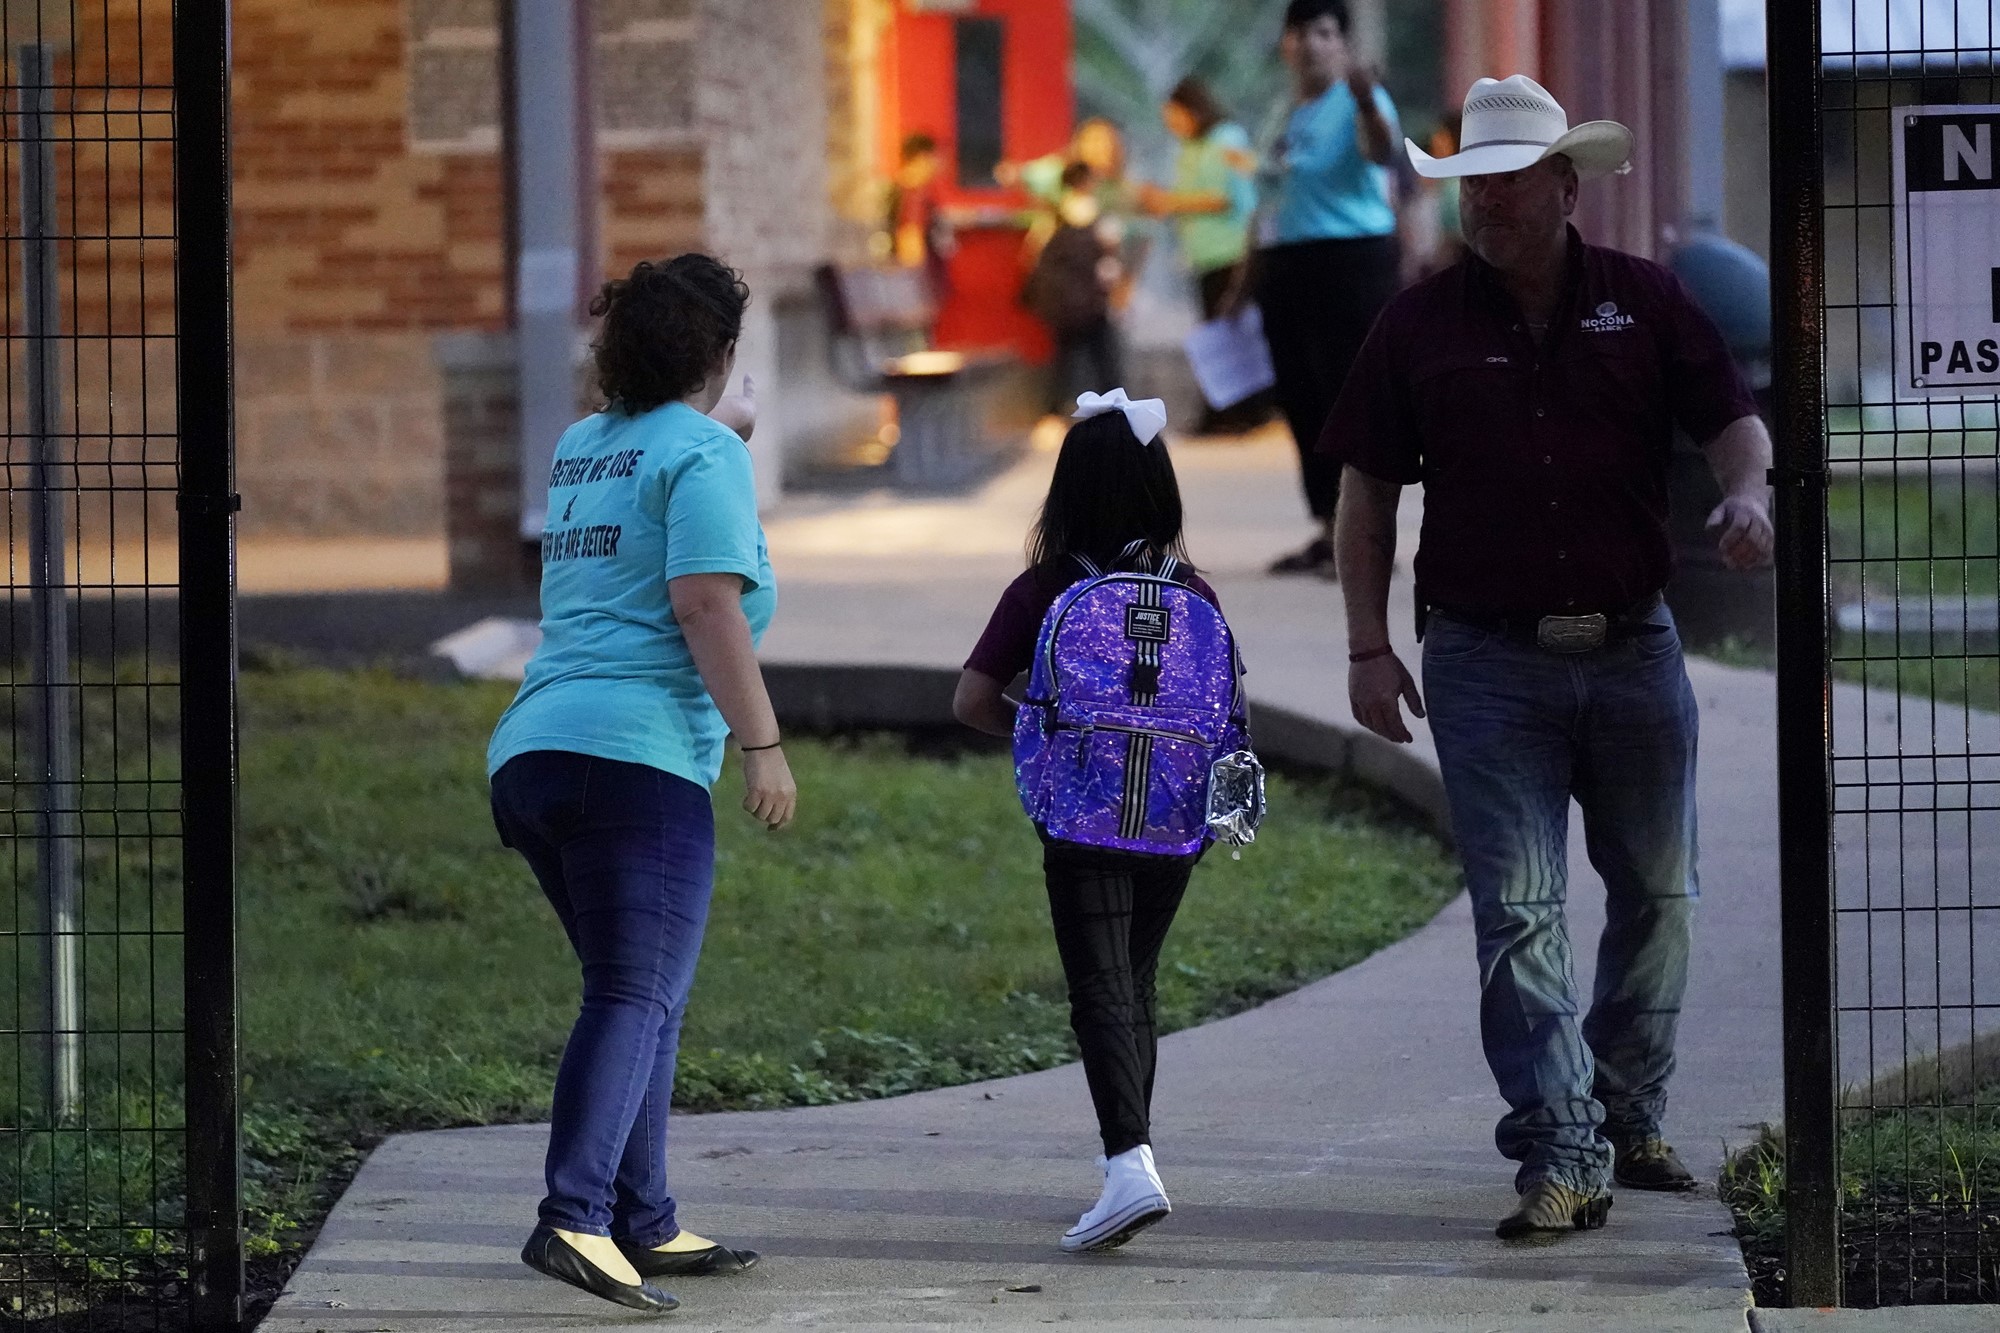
[{"x": 375, "y": 270}]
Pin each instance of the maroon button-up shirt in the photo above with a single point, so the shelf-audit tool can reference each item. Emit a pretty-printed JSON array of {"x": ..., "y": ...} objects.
[{"x": 1544, "y": 468}]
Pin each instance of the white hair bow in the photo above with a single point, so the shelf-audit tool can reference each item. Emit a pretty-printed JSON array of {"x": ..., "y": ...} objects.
[{"x": 1147, "y": 417}]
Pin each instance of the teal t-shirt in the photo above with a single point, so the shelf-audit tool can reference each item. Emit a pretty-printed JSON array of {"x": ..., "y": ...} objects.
[
  {"x": 1216, "y": 240},
  {"x": 1326, "y": 189},
  {"x": 633, "y": 502}
]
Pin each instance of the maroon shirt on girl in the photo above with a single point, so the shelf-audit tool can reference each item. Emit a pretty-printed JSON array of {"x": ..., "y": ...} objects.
[{"x": 1008, "y": 645}]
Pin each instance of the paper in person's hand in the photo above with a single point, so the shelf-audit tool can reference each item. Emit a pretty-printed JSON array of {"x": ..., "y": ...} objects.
[{"x": 1230, "y": 358}]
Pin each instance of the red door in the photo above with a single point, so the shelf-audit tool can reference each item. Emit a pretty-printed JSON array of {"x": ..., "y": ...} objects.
[{"x": 986, "y": 78}]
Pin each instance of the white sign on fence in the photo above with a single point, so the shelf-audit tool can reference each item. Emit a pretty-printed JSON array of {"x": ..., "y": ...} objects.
[{"x": 1947, "y": 207}]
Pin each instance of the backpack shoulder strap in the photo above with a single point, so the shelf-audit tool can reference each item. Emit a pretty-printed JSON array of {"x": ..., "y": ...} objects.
[{"x": 1156, "y": 563}]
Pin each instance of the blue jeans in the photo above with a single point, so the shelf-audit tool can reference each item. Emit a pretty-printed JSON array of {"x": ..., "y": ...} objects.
[
  {"x": 1519, "y": 732},
  {"x": 626, "y": 855}
]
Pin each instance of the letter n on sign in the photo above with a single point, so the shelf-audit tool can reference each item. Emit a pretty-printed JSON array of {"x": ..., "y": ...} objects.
[{"x": 1946, "y": 201}]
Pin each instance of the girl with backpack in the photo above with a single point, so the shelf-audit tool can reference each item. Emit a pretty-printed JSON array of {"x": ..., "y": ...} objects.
[{"x": 1134, "y": 699}]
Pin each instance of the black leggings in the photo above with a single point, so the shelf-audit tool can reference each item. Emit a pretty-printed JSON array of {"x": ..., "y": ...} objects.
[
  {"x": 1111, "y": 912},
  {"x": 1320, "y": 298}
]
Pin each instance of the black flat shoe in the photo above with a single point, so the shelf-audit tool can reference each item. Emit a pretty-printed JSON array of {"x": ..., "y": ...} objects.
[
  {"x": 551, "y": 1255},
  {"x": 715, "y": 1261}
]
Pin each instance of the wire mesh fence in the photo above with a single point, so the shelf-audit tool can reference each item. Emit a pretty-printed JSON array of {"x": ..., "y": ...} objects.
[
  {"x": 1909, "y": 496},
  {"x": 108, "y": 1188}
]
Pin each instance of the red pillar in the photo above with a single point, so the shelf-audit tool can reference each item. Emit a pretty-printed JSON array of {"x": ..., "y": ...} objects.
[{"x": 1490, "y": 39}]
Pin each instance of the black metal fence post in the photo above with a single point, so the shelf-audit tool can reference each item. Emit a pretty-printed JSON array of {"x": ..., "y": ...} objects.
[
  {"x": 208, "y": 660},
  {"x": 1812, "y": 1193}
]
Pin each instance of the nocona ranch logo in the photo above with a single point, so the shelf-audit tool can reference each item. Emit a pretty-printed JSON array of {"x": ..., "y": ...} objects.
[{"x": 1608, "y": 320}]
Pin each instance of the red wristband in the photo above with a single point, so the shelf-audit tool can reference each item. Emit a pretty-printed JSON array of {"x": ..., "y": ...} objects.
[{"x": 1384, "y": 651}]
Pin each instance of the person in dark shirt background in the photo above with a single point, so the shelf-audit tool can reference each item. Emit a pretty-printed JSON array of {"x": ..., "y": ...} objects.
[
  {"x": 1533, "y": 389},
  {"x": 920, "y": 232}
]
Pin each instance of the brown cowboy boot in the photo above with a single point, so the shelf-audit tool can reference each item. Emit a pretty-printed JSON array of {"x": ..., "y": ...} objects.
[{"x": 1649, "y": 1164}]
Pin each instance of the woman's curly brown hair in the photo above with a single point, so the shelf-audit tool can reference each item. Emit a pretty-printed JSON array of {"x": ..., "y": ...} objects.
[{"x": 666, "y": 328}]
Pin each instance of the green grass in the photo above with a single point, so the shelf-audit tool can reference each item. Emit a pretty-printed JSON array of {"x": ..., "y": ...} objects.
[
  {"x": 1908, "y": 538},
  {"x": 1912, "y": 430},
  {"x": 1920, "y": 1204},
  {"x": 400, "y": 970},
  {"x": 1904, "y": 538},
  {"x": 1925, "y": 537}
]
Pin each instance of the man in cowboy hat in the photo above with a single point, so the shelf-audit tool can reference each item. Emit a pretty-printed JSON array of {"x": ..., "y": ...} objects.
[{"x": 1533, "y": 390}]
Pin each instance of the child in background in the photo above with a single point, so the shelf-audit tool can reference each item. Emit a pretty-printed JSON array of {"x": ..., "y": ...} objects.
[
  {"x": 1113, "y": 504},
  {"x": 1070, "y": 288},
  {"x": 920, "y": 232}
]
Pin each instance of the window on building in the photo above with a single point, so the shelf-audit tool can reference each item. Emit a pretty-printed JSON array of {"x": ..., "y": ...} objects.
[
  {"x": 981, "y": 62},
  {"x": 455, "y": 76},
  {"x": 642, "y": 73},
  {"x": 644, "y": 78}
]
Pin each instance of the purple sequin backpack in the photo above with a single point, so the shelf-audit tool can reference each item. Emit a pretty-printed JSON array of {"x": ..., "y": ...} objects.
[{"x": 1135, "y": 719}]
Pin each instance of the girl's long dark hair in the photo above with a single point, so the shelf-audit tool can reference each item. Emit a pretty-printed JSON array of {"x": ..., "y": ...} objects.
[{"x": 1108, "y": 491}]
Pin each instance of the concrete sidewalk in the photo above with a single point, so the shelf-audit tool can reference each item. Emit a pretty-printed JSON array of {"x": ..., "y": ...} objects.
[{"x": 1330, "y": 1154}]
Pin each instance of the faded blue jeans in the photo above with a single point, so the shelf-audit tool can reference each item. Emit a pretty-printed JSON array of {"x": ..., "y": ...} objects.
[
  {"x": 1519, "y": 732},
  {"x": 626, "y": 856}
]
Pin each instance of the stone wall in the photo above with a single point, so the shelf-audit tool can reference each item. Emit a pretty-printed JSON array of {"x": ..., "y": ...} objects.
[
  {"x": 339, "y": 433},
  {"x": 762, "y": 107},
  {"x": 481, "y": 422}
]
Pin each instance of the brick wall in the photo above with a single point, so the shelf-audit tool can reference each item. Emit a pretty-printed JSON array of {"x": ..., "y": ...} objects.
[
  {"x": 340, "y": 225},
  {"x": 353, "y": 248},
  {"x": 652, "y": 204},
  {"x": 369, "y": 218},
  {"x": 115, "y": 418}
]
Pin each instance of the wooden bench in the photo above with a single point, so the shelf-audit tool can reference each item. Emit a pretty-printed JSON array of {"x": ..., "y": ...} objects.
[{"x": 881, "y": 319}]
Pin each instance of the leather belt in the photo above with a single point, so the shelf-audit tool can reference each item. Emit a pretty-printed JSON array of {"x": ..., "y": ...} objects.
[{"x": 1564, "y": 633}]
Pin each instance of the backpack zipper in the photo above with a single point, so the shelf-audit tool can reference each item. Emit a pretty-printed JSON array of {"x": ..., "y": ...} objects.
[{"x": 1158, "y": 733}]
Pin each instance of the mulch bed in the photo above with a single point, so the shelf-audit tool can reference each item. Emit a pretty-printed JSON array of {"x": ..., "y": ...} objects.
[
  {"x": 1895, "y": 1252},
  {"x": 159, "y": 1305}
]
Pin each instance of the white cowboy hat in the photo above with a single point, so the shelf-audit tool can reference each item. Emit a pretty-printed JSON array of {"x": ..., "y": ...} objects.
[{"x": 1514, "y": 123}]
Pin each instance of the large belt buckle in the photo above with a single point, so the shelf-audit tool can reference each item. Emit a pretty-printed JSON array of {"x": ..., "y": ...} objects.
[{"x": 1572, "y": 634}]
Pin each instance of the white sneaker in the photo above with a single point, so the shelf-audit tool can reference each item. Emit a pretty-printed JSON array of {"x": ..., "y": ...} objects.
[{"x": 1133, "y": 1200}]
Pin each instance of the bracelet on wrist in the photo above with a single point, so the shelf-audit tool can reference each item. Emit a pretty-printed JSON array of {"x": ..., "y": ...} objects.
[
  {"x": 759, "y": 749},
  {"x": 1373, "y": 653}
]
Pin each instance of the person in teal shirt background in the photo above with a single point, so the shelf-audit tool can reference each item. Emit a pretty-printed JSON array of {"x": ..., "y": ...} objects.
[
  {"x": 656, "y": 586},
  {"x": 1212, "y": 204},
  {"x": 1331, "y": 260}
]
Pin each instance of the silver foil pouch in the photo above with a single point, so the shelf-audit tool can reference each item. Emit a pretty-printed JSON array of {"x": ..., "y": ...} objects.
[{"x": 1235, "y": 798}]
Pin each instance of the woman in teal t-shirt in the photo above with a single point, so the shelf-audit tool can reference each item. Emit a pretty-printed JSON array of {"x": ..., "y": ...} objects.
[
  {"x": 1213, "y": 199},
  {"x": 656, "y": 587}
]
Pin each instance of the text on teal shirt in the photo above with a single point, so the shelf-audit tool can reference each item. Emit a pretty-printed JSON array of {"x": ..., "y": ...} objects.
[{"x": 634, "y": 502}]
